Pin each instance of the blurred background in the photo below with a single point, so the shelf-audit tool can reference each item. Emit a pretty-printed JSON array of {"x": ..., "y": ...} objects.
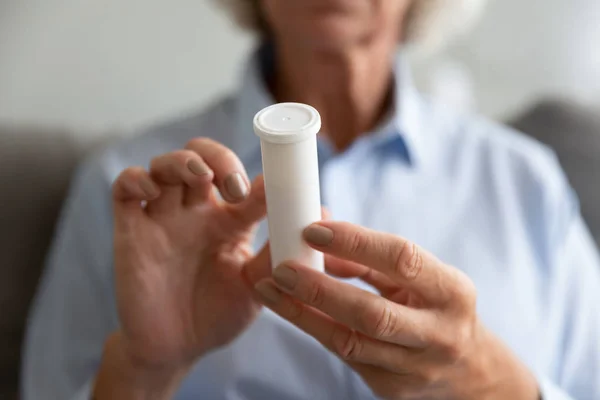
[
  {"x": 113, "y": 64},
  {"x": 73, "y": 72},
  {"x": 121, "y": 64}
]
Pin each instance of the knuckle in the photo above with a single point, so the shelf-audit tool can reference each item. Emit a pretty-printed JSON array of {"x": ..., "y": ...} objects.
[
  {"x": 453, "y": 352},
  {"x": 347, "y": 344},
  {"x": 461, "y": 294},
  {"x": 408, "y": 261},
  {"x": 387, "y": 323},
  {"x": 316, "y": 296},
  {"x": 357, "y": 243},
  {"x": 294, "y": 311},
  {"x": 455, "y": 342},
  {"x": 370, "y": 320}
]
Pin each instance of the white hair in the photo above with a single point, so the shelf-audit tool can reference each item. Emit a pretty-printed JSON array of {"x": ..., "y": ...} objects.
[{"x": 429, "y": 23}]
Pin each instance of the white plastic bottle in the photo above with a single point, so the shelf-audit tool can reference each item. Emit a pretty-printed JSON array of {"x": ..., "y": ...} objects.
[{"x": 288, "y": 136}]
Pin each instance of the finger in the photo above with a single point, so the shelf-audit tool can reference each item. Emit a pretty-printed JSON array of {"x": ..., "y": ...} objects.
[
  {"x": 134, "y": 184},
  {"x": 259, "y": 267},
  {"x": 253, "y": 209},
  {"x": 184, "y": 168},
  {"x": 131, "y": 187},
  {"x": 349, "y": 269},
  {"x": 344, "y": 268},
  {"x": 404, "y": 262},
  {"x": 358, "y": 309},
  {"x": 386, "y": 287},
  {"x": 170, "y": 199},
  {"x": 348, "y": 344},
  {"x": 230, "y": 175}
]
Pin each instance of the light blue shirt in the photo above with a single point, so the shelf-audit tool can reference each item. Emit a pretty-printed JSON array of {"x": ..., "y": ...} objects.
[{"x": 479, "y": 196}]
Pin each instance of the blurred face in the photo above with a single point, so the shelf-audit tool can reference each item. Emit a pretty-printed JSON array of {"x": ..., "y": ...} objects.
[{"x": 334, "y": 24}]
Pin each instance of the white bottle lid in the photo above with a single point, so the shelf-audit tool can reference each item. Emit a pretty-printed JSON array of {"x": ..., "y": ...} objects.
[{"x": 287, "y": 123}]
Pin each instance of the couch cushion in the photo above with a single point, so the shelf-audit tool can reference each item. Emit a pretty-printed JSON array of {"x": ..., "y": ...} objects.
[{"x": 35, "y": 169}]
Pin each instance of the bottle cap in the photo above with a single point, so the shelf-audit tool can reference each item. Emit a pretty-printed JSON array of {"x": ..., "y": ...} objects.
[{"x": 287, "y": 123}]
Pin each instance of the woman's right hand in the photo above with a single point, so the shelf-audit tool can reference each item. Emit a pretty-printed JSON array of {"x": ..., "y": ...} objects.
[{"x": 179, "y": 259}]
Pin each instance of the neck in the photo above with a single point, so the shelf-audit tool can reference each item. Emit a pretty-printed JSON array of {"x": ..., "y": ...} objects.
[{"x": 351, "y": 89}]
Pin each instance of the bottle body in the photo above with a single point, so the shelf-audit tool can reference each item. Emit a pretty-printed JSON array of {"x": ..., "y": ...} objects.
[{"x": 293, "y": 196}]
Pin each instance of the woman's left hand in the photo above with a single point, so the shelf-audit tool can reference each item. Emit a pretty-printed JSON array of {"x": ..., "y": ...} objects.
[{"x": 420, "y": 338}]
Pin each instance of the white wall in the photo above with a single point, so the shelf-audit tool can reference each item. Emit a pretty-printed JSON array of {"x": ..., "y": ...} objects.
[
  {"x": 104, "y": 64},
  {"x": 523, "y": 50},
  {"x": 113, "y": 63}
]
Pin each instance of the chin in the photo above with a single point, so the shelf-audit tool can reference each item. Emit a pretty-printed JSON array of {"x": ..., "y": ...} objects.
[{"x": 332, "y": 35}]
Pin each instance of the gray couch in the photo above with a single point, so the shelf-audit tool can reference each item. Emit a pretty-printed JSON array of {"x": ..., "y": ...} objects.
[
  {"x": 35, "y": 169},
  {"x": 573, "y": 131}
]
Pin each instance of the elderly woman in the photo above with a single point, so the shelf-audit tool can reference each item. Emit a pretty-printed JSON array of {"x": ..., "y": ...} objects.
[{"x": 497, "y": 301}]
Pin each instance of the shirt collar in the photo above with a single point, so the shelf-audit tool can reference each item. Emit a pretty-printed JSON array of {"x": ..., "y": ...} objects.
[
  {"x": 409, "y": 118},
  {"x": 398, "y": 133}
]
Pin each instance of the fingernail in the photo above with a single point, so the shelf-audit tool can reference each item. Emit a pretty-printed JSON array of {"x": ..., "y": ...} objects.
[
  {"x": 197, "y": 167},
  {"x": 318, "y": 235},
  {"x": 285, "y": 276},
  {"x": 149, "y": 188},
  {"x": 236, "y": 186},
  {"x": 268, "y": 292}
]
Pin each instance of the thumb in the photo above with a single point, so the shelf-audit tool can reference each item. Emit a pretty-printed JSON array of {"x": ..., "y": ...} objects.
[
  {"x": 253, "y": 209},
  {"x": 259, "y": 267}
]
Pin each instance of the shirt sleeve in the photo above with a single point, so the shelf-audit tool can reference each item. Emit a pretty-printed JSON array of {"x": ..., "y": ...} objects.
[
  {"x": 573, "y": 299},
  {"x": 74, "y": 310}
]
